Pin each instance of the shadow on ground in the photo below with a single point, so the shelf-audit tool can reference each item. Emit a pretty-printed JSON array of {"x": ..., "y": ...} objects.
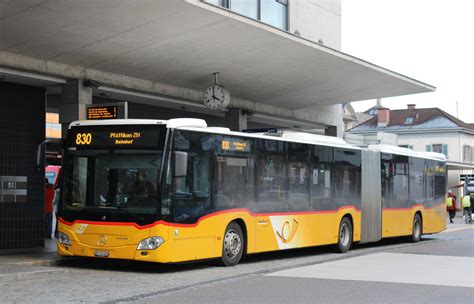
[{"x": 144, "y": 267}]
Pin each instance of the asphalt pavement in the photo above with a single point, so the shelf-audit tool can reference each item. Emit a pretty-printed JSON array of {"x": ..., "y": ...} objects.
[
  {"x": 438, "y": 270},
  {"x": 294, "y": 276}
]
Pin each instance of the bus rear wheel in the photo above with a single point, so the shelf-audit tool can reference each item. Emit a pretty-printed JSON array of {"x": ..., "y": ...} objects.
[
  {"x": 417, "y": 229},
  {"x": 233, "y": 245},
  {"x": 344, "y": 242}
]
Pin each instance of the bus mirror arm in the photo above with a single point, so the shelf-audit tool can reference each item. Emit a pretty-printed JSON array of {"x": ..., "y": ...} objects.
[
  {"x": 40, "y": 157},
  {"x": 180, "y": 164},
  {"x": 41, "y": 150}
]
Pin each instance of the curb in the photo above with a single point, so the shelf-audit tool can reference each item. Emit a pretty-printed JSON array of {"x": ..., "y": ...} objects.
[
  {"x": 454, "y": 229},
  {"x": 31, "y": 275},
  {"x": 15, "y": 276},
  {"x": 56, "y": 261}
]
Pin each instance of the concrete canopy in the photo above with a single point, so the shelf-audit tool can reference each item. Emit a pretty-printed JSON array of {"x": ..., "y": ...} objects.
[{"x": 182, "y": 43}]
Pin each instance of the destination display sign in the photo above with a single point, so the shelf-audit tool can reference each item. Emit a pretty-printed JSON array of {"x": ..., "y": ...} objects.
[
  {"x": 235, "y": 145},
  {"x": 102, "y": 112},
  {"x": 119, "y": 136}
]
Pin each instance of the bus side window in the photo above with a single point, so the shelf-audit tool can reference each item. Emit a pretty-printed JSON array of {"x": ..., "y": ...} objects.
[
  {"x": 400, "y": 181},
  {"x": 429, "y": 182},
  {"x": 271, "y": 176},
  {"x": 440, "y": 182},
  {"x": 347, "y": 177},
  {"x": 387, "y": 180},
  {"x": 75, "y": 195},
  {"x": 167, "y": 192},
  {"x": 234, "y": 182},
  {"x": 191, "y": 197},
  {"x": 298, "y": 179},
  {"x": 417, "y": 195},
  {"x": 321, "y": 178}
]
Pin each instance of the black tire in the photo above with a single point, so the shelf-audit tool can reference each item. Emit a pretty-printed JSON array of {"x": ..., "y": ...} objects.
[
  {"x": 344, "y": 239},
  {"x": 233, "y": 245},
  {"x": 417, "y": 229}
]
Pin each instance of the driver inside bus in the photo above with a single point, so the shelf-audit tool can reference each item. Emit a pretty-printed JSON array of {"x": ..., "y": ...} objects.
[{"x": 143, "y": 186}]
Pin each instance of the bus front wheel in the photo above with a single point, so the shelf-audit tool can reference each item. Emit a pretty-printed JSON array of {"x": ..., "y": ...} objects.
[
  {"x": 344, "y": 242},
  {"x": 232, "y": 245},
  {"x": 417, "y": 229}
]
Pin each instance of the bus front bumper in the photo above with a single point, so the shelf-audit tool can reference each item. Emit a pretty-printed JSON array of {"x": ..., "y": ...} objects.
[{"x": 126, "y": 252}]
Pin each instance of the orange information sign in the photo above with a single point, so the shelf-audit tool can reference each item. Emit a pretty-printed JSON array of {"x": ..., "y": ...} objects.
[{"x": 102, "y": 112}]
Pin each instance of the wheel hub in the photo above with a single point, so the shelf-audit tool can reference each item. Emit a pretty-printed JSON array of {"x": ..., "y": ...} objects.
[
  {"x": 417, "y": 228},
  {"x": 232, "y": 244},
  {"x": 344, "y": 235}
]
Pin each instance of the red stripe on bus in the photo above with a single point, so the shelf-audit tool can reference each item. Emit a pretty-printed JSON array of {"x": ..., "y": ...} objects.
[
  {"x": 161, "y": 222},
  {"x": 306, "y": 212},
  {"x": 413, "y": 207}
]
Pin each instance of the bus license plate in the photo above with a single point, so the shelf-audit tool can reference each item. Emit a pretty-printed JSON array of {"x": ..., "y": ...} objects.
[{"x": 101, "y": 253}]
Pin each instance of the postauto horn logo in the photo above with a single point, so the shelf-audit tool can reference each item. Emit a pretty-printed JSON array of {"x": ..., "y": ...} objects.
[{"x": 285, "y": 231}]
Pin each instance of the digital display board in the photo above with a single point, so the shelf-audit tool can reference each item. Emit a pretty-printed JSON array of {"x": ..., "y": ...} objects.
[
  {"x": 102, "y": 112},
  {"x": 235, "y": 145},
  {"x": 116, "y": 136}
]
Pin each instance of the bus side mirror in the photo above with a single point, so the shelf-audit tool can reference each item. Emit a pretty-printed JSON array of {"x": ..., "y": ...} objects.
[
  {"x": 41, "y": 150},
  {"x": 180, "y": 164}
]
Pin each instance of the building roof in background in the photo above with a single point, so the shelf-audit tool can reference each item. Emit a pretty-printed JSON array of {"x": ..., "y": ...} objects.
[
  {"x": 372, "y": 111},
  {"x": 412, "y": 119},
  {"x": 362, "y": 117}
]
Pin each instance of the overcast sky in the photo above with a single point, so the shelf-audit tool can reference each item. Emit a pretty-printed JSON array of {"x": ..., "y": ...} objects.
[{"x": 429, "y": 40}]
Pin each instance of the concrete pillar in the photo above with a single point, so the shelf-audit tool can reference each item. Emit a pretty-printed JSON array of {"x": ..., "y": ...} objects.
[
  {"x": 235, "y": 120},
  {"x": 74, "y": 98},
  {"x": 330, "y": 131}
]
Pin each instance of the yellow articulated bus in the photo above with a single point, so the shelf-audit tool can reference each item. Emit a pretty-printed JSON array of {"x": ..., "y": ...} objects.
[{"x": 177, "y": 190}]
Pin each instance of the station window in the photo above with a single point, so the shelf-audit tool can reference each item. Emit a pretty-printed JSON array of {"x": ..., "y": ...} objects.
[
  {"x": 272, "y": 12},
  {"x": 468, "y": 154},
  {"x": 247, "y": 8},
  {"x": 438, "y": 148}
]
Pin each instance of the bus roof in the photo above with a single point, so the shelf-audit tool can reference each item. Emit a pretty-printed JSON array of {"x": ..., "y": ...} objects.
[
  {"x": 298, "y": 137},
  {"x": 200, "y": 125},
  {"x": 408, "y": 152}
]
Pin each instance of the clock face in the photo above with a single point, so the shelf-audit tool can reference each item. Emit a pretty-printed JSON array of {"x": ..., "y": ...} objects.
[{"x": 216, "y": 97}]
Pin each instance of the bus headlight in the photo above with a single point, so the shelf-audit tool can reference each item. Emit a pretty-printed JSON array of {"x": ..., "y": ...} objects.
[
  {"x": 150, "y": 243},
  {"x": 63, "y": 239}
]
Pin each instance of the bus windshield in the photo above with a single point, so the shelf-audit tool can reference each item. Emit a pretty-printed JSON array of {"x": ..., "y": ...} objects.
[{"x": 112, "y": 185}]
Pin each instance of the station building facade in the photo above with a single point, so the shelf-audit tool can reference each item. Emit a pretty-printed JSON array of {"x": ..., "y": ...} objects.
[{"x": 280, "y": 60}]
